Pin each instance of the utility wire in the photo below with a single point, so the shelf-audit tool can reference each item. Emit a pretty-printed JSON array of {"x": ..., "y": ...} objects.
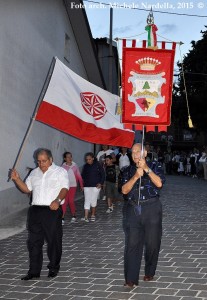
[{"x": 143, "y": 9}]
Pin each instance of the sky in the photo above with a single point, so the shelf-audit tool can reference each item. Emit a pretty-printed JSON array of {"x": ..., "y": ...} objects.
[{"x": 129, "y": 20}]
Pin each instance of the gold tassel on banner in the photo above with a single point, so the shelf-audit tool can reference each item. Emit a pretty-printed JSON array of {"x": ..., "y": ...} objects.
[
  {"x": 190, "y": 123},
  {"x": 118, "y": 110}
]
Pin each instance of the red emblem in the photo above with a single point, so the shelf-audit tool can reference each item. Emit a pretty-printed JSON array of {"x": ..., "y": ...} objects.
[{"x": 93, "y": 105}]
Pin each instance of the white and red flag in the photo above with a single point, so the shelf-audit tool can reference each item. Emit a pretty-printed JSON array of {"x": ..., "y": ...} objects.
[{"x": 79, "y": 108}]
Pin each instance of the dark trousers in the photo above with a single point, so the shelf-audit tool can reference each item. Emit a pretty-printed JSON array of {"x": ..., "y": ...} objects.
[
  {"x": 142, "y": 232},
  {"x": 44, "y": 224}
]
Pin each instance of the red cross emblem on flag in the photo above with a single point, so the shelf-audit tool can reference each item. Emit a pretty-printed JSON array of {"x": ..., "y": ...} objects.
[{"x": 93, "y": 105}]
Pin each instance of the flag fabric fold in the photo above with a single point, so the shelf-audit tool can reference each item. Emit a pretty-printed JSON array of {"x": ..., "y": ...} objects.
[{"x": 79, "y": 108}]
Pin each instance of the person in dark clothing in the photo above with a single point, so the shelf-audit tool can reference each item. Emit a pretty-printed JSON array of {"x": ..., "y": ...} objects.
[
  {"x": 142, "y": 215},
  {"x": 111, "y": 182},
  {"x": 93, "y": 179},
  {"x": 193, "y": 159}
]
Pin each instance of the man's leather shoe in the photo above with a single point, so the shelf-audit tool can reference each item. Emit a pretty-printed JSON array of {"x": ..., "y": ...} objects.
[
  {"x": 130, "y": 285},
  {"x": 52, "y": 274},
  {"x": 148, "y": 278},
  {"x": 30, "y": 276}
]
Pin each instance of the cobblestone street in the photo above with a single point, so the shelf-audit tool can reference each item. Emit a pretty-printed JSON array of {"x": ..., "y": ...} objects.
[{"x": 92, "y": 261}]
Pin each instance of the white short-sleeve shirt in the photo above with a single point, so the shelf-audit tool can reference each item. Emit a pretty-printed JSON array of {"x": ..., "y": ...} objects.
[
  {"x": 123, "y": 161},
  {"x": 46, "y": 186}
]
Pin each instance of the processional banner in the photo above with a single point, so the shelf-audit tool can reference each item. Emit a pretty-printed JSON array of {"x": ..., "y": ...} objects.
[{"x": 147, "y": 86}]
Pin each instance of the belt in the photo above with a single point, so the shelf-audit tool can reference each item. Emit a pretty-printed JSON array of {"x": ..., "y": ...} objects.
[
  {"x": 143, "y": 202},
  {"x": 45, "y": 207},
  {"x": 153, "y": 199},
  {"x": 40, "y": 206}
]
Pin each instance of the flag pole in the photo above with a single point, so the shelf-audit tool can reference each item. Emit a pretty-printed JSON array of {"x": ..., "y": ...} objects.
[
  {"x": 142, "y": 155},
  {"x": 111, "y": 51},
  {"x": 40, "y": 98},
  {"x": 143, "y": 138}
]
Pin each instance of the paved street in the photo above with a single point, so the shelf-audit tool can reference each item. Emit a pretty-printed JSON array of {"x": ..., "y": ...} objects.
[{"x": 92, "y": 261}]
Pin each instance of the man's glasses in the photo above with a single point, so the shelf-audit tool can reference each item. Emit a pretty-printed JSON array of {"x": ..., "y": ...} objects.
[{"x": 42, "y": 161}]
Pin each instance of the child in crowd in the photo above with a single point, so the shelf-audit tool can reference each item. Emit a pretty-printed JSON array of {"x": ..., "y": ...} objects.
[
  {"x": 180, "y": 167},
  {"x": 111, "y": 183},
  {"x": 74, "y": 177},
  {"x": 101, "y": 158}
]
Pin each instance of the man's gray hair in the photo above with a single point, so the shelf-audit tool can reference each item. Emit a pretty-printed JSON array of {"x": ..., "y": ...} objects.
[
  {"x": 139, "y": 144},
  {"x": 40, "y": 151}
]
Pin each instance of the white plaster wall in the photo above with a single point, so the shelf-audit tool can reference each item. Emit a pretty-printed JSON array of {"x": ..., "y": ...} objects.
[{"x": 31, "y": 33}]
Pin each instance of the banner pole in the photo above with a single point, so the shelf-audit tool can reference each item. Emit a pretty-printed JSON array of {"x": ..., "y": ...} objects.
[
  {"x": 142, "y": 154},
  {"x": 40, "y": 98}
]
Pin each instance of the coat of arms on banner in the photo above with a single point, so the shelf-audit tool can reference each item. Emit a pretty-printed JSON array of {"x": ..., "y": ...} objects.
[
  {"x": 147, "y": 86},
  {"x": 146, "y": 92}
]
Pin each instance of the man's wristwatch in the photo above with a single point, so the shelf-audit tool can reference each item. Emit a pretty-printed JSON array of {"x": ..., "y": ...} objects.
[
  {"x": 58, "y": 200},
  {"x": 148, "y": 171}
]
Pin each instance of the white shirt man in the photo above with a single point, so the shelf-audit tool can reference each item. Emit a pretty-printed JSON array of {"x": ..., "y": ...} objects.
[
  {"x": 49, "y": 185},
  {"x": 46, "y": 186}
]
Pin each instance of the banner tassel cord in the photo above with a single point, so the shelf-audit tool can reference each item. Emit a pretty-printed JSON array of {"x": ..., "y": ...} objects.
[{"x": 190, "y": 123}]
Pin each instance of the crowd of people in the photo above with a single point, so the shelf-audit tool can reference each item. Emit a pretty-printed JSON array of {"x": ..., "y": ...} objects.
[
  {"x": 101, "y": 174},
  {"x": 133, "y": 175},
  {"x": 190, "y": 163}
]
